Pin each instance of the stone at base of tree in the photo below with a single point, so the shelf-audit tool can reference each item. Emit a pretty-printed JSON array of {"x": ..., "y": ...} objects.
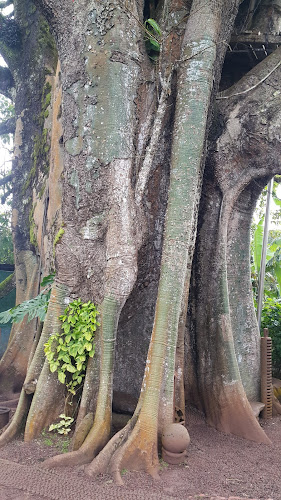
[
  {"x": 173, "y": 458},
  {"x": 257, "y": 407},
  {"x": 175, "y": 438}
]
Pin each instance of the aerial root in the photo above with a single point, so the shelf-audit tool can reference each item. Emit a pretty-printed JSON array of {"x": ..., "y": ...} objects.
[{"x": 68, "y": 459}]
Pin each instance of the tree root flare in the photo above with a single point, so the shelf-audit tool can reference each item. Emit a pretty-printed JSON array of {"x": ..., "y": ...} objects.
[
  {"x": 68, "y": 459},
  {"x": 154, "y": 472},
  {"x": 102, "y": 461},
  {"x": 236, "y": 417},
  {"x": 117, "y": 478},
  {"x": 94, "y": 442},
  {"x": 17, "y": 423},
  {"x": 132, "y": 448}
]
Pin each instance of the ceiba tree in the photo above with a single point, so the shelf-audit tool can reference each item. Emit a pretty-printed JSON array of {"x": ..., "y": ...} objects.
[{"x": 153, "y": 176}]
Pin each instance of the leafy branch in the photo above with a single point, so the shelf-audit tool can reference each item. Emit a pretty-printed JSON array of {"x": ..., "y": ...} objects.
[
  {"x": 5, "y": 180},
  {"x": 6, "y": 81},
  {"x": 6, "y": 3},
  {"x": 8, "y": 126},
  {"x": 33, "y": 308}
]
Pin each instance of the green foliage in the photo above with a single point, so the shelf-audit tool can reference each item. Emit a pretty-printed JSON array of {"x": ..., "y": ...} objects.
[
  {"x": 10, "y": 32},
  {"x": 271, "y": 312},
  {"x": 48, "y": 280},
  {"x": 68, "y": 352},
  {"x": 32, "y": 225},
  {"x": 58, "y": 236},
  {"x": 257, "y": 244},
  {"x": 272, "y": 285},
  {"x": 6, "y": 241},
  {"x": 36, "y": 307},
  {"x": 163, "y": 464},
  {"x": 152, "y": 38},
  {"x": 64, "y": 425},
  {"x": 261, "y": 204},
  {"x": 61, "y": 442},
  {"x": 7, "y": 110},
  {"x": 41, "y": 146},
  {"x": 271, "y": 319},
  {"x": 45, "y": 40}
]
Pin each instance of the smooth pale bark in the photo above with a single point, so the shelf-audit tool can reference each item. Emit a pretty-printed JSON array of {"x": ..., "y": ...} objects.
[
  {"x": 28, "y": 64},
  {"x": 88, "y": 402},
  {"x": 110, "y": 153},
  {"x": 14, "y": 361},
  {"x": 195, "y": 84},
  {"x": 48, "y": 399},
  {"x": 242, "y": 314},
  {"x": 40, "y": 382},
  {"x": 221, "y": 393},
  {"x": 195, "y": 87}
]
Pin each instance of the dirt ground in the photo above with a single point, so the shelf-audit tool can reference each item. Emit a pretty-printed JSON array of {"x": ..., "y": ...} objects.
[{"x": 218, "y": 467}]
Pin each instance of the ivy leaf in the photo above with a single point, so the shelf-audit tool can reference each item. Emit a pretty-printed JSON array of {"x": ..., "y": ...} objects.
[
  {"x": 61, "y": 377},
  {"x": 154, "y": 26},
  {"x": 50, "y": 356},
  {"x": 79, "y": 365},
  {"x": 53, "y": 367},
  {"x": 65, "y": 358},
  {"x": 154, "y": 45},
  {"x": 81, "y": 349},
  {"x": 70, "y": 368},
  {"x": 73, "y": 351},
  {"x": 66, "y": 328}
]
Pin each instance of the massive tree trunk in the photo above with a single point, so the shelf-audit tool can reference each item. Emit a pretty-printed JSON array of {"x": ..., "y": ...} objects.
[
  {"x": 27, "y": 47},
  {"x": 240, "y": 163},
  {"x": 129, "y": 137}
]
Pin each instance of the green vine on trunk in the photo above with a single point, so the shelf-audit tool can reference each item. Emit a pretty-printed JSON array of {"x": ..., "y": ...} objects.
[
  {"x": 68, "y": 352},
  {"x": 152, "y": 38}
]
